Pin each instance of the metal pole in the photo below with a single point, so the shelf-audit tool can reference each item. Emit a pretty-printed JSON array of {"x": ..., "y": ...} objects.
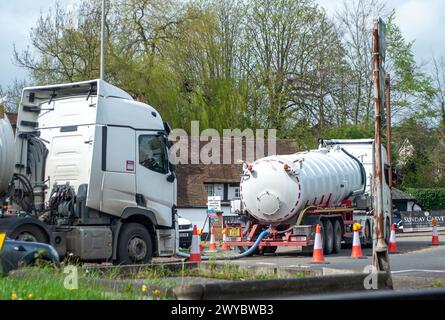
[
  {"x": 380, "y": 259},
  {"x": 388, "y": 137},
  {"x": 388, "y": 128},
  {"x": 102, "y": 43}
]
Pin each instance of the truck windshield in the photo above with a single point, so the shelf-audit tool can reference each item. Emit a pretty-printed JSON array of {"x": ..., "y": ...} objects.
[{"x": 153, "y": 153}]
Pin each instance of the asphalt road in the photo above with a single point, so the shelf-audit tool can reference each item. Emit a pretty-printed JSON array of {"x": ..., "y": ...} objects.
[{"x": 416, "y": 265}]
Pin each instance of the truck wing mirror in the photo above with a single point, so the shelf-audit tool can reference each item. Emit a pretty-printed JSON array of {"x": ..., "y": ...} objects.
[{"x": 171, "y": 177}]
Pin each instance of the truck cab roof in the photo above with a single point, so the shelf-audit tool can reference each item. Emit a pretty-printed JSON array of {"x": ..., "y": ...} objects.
[{"x": 110, "y": 106}]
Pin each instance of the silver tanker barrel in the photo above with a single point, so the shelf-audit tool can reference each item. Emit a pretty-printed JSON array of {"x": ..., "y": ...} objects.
[
  {"x": 7, "y": 149},
  {"x": 275, "y": 189}
]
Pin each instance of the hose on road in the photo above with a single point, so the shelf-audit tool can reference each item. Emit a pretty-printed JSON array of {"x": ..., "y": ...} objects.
[{"x": 246, "y": 253}]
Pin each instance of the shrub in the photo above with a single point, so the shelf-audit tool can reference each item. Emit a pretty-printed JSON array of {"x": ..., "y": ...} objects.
[{"x": 429, "y": 198}]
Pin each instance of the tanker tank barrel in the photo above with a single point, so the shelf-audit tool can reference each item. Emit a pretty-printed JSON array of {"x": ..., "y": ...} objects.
[{"x": 284, "y": 185}]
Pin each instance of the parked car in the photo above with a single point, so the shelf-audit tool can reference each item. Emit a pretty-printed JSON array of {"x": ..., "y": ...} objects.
[
  {"x": 17, "y": 254},
  {"x": 185, "y": 232}
]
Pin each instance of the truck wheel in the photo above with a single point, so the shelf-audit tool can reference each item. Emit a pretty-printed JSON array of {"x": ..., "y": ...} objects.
[
  {"x": 337, "y": 237},
  {"x": 368, "y": 235},
  {"x": 29, "y": 233},
  {"x": 134, "y": 245},
  {"x": 328, "y": 242},
  {"x": 387, "y": 230}
]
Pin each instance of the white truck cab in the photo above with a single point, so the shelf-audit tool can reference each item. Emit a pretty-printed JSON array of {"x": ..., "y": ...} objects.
[{"x": 92, "y": 174}]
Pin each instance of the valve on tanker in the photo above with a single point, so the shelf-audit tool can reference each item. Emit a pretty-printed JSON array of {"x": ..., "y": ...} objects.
[
  {"x": 290, "y": 170},
  {"x": 247, "y": 166}
]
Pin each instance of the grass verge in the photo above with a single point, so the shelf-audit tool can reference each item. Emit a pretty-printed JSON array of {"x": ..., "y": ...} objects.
[{"x": 46, "y": 283}]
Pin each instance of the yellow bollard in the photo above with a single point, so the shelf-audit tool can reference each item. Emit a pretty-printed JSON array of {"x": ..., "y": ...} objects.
[{"x": 2, "y": 240}]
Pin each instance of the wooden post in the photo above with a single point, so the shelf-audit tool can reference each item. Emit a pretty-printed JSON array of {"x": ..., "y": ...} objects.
[{"x": 380, "y": 259}]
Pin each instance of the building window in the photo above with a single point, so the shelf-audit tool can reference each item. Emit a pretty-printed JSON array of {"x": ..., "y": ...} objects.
[
  {"x": 227, "y": 191},
  {"x": 210, "y": 188}
]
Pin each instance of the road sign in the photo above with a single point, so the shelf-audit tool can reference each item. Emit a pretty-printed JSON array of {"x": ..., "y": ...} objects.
[
  {"x": 381, "y": 26},
  {"x": 413, "y": 221},
  {"x": 214, "y": 203}
]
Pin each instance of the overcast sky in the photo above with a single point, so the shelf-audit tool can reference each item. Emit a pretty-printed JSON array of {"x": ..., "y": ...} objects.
[{"x": 419, "y": 20}]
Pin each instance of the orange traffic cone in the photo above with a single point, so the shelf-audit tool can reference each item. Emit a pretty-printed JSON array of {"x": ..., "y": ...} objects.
[
  {"x": 392, "y": 245},
  {"x": 356, "y": 245},
  {"x": 318, "y": 256},
  {"x": 195, "y": 253},
  {"x": 212, "y": 247},
  {"x": 224, "y": 245},
  {"x": 435, "y": 240}
]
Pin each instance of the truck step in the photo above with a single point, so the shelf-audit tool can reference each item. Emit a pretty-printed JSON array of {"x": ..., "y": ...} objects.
[
  {"x": 29, "y": 123},
  {"x": 31, "y": 109}
]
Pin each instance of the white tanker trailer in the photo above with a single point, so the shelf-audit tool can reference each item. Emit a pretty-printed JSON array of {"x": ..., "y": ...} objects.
[
  {"x": 6, "y": 157},
  {"x": 291, "y": 194}
]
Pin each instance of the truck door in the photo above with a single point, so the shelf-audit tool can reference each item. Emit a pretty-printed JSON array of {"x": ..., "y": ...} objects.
[{"x": 156, "y": 191}]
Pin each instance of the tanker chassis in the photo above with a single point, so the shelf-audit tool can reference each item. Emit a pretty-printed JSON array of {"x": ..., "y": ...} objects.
[{"x": 291, "y": 194}]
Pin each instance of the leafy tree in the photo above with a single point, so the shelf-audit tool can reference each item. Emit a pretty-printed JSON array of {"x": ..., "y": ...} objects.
[{"x": 412, "y": 89}]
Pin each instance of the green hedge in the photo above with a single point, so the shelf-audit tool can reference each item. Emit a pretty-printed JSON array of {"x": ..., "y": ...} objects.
[{"x": 429, "y": 198}]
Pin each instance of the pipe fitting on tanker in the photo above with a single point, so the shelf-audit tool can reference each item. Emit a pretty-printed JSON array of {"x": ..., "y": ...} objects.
[
  {"x": 247, "y": 166},
  {"x": 292, "y": 171}
]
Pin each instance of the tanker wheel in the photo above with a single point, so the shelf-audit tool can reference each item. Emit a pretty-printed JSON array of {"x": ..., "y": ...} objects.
[
  {"x": 337, "y": 237},
  {"x": 328, "y": 239},
  {"x": 271, "y": 249},
  {"x": 368, "y": 235},
  {"x": 387, "y": 230},
  {"x": 29, "y": 233}
]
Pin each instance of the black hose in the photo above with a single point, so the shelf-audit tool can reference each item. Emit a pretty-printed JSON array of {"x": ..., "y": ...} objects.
[{"x": 362, "y": 168}]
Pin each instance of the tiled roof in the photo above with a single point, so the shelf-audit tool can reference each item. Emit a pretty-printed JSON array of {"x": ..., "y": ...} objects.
[{"x": 400, "y": 195}]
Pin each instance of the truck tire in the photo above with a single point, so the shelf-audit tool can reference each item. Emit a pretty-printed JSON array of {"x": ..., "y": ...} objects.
[
  {"x": 29, "y": 233},
  {"x": 368, "y": 236},
  {"x": 338, "y": 236},
  {"x": 328, "y": 239},
  {"x": 387, "y": 230},
  {"x": 134, "y": 245}
]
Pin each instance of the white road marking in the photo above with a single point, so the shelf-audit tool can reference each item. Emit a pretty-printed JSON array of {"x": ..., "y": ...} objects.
[
  {"x": 418, "y": 270},
  {"x": 267, "y": 263}
]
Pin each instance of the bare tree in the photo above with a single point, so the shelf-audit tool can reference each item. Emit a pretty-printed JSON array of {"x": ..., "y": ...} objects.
[
  {"x": 439, "y": 83},
  {"x": 355, "y": 20},
  {"x": 13, "y": 94}
]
